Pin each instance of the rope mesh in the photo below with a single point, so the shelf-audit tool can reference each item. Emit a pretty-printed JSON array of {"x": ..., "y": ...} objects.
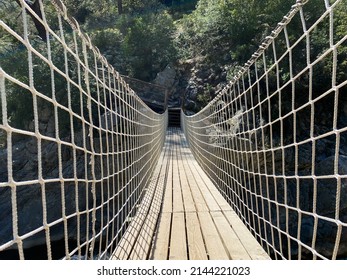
[
  {"x": 274, "y": 140},
  {"x": 77, "y": 145}
]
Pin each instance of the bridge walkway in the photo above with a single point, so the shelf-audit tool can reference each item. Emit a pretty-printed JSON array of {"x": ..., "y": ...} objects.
[{"x": 183, "y": 216}]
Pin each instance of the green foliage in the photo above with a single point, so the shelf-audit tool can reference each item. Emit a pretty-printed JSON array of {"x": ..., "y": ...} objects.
[
  {"x": 109, "y": 41},
  {"x": 179, "y": 8},
  {"x": 140, "y": 42},
  {"x": 92, "y": 13},
  {"x": 205, "y": 97},
  {"x": 14, "y": 61},
  {"x": 147, "y": 45},
  {"x": 140, "y": 6},
  {"x": 229, "y": 30},
  {"x": 19, "y": 100},
  {"x": 145, "y": 38}
]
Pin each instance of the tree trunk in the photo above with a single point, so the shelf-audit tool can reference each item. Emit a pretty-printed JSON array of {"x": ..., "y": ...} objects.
[
  {"x": 35, "y": 6},
  {"x": 120, "y": 6}
]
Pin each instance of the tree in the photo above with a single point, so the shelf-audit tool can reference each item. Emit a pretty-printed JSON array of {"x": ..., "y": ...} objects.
[
  {"x": 225, "y": 31},
  {"x": 120, "y": 6},
  {"x": 139, "y": 42},
  {"x": 14, "y": 61},
  {"x": 148, "y": 44}
]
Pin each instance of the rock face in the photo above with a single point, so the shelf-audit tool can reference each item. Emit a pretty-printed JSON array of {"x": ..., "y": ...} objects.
[
  {"x": 197, "y": 85},
  {"x": 166, "y": 78}
]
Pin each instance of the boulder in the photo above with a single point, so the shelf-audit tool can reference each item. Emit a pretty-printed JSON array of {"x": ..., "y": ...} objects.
[{"x": 166, "y": 78}]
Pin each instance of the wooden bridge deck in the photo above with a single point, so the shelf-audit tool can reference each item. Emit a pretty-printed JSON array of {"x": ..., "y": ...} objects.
[{"x": 184, "y": 216}]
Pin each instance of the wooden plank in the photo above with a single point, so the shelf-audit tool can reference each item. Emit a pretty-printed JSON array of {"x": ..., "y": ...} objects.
[
  {"x": 196, "y": 221},
  {"x": 214, "y": 244},
  {"x": 199, "y": 201},
  {"x": 162, "y": 239},
  {"x": 196, "y": 246},
  {"x": 126, "y": 244},
  {"x": 251, "y": 245},
  {"x": 177, "y": 203},
  {"x": 178, "y": 244},
  {"x": 144, "y": 241},
  {"x": 198, "y": 175},
  {"x": 124, "y": 247},
  {"x": 188, "y": 201},
  {"x": 230, "y": 239},
  {"x": 223, "y": 204},
  {"x": 167, "y": 200},
  {"x": 208, "y": 197}
]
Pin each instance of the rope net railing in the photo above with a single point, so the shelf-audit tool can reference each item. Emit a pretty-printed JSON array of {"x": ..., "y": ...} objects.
[
  {"x": 274, "y": 141},
  {"x": 77, "y": 145}
]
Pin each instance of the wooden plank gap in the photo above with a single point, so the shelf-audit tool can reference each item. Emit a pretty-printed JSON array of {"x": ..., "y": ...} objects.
[
  {"x": 231, "y": 241},
  {"x": 214, "y": 244}
]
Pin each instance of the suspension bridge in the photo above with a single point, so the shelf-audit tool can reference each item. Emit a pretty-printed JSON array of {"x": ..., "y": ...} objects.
[{"x": 94, "y": 173}]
